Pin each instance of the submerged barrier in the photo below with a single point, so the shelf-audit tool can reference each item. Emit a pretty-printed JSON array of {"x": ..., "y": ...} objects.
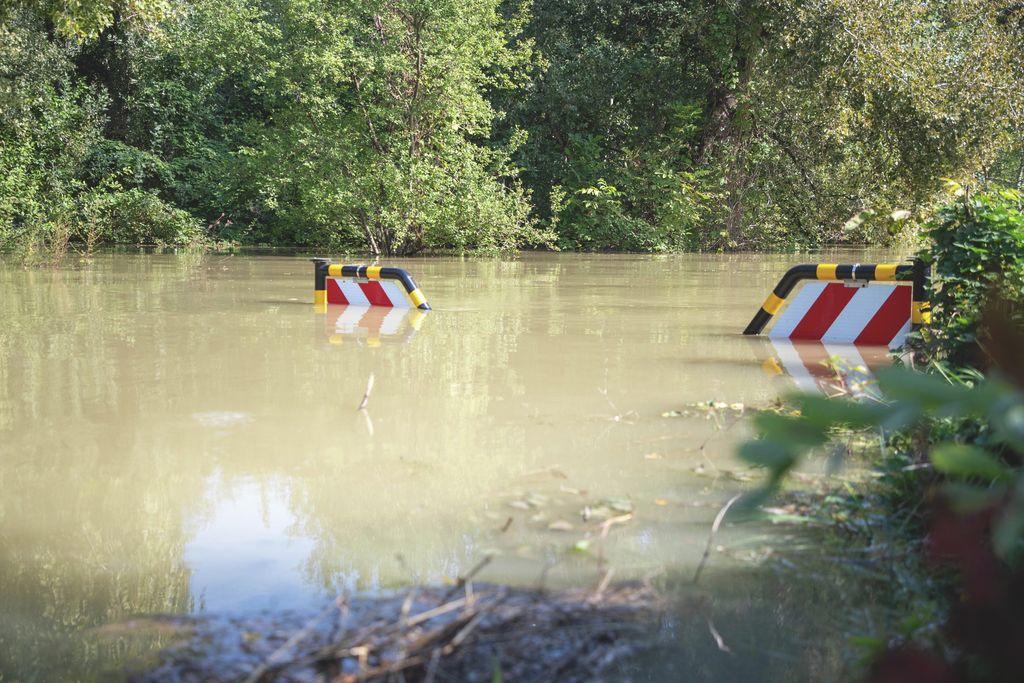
[
  {"x": 365, "y": 286},
  {"x": 865, "y": 304}
]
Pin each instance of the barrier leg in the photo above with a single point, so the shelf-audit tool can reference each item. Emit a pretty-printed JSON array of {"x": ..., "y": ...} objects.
[{"x": 321, "y": 265}]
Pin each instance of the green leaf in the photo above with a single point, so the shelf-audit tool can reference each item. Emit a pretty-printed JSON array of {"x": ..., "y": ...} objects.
[
  {"x": 827, "y": 412},
  {"x": 929, "y": 391},
  {"x": 772, "y": 455},
  {"x": 797, "y": 431},
  {"x": 968, "y": 498},
  {"x": 964, "y": 460},
  {"x": 1008, "y": 535},
  {"x": 873, "y": 644}
]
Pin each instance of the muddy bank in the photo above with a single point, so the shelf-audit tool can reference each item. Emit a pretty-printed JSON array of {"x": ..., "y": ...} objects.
[{"x": 468, "y": 633}]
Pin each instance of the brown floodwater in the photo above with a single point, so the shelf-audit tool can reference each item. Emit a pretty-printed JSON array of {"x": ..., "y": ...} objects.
[{"x": 181, "y": 433}]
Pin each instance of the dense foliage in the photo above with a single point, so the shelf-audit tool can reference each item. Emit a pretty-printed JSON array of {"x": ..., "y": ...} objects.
[
  {"x": 977, "y": 245},
  {"x": 396, "y": 127}
]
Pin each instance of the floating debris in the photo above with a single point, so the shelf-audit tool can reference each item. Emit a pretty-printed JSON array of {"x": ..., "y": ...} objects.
[{"x": 607, "y": 508}]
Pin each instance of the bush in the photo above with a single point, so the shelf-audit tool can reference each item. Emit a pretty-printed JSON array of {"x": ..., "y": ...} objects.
[
  {"x": 977, "y": 247},
  {"x": 136, "y": 216}
]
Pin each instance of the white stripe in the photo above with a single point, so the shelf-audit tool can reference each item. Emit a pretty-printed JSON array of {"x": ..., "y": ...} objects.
[
  {"x": 353, "y": 293},
  {"x": 796, "y": 310},
  {"x": 349, "y": 319},
  {"x": 901, "y": 336},
  {"x": 399, "y": 299},
  {"x": 794, "y": 365},
  {"x": 855, "y": 370},
  {"x": 858, "y": 312},
  {"x": 392, "y": 322}
]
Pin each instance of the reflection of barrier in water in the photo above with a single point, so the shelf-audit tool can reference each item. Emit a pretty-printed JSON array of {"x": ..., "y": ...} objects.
[
  {"x": 848, "y": 304},
  {"x": 831, "y": 369},
  {"x": 372, "y": 325},
  {"x": 365, "y": 286}
]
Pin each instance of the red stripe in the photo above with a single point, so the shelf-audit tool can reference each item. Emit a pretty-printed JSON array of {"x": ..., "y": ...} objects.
[
  {"x": 887, "y": 321},
  {"x": 375, "y": 293},
  {"x": 334, "y": 293},
  {"x": 372, "y": 319},
  {"x": 823, "y": 312},
  {"x": 815, "y": 358}
]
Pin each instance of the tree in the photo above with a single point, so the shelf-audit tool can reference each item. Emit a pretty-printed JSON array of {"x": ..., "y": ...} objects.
[
  {"x": 371, "y": 128},
  {"x": 785, "y": 117}
]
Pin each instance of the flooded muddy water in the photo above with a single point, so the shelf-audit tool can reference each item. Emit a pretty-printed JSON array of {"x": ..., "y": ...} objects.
[{"x": 181, "y": 434}]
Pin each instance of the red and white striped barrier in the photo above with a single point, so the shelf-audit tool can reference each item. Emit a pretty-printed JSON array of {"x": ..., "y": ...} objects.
[
  {"x": 371, "y": 293},
  {"x": 364, "y": 286},
  {"x": 835, "y": 313}
]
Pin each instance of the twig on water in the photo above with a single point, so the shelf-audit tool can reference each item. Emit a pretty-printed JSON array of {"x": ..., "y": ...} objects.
[
  {"x": 629, "y": 416},
  {"x": 607, "y": 524},
  {"x": 711, "y": 537},
  {"x": 719, "y": 641},
  {"x": 366, "y": 396}
]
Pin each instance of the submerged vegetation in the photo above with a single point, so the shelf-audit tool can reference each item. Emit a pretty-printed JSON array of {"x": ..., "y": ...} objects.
[{"x": 408, "y": 126}]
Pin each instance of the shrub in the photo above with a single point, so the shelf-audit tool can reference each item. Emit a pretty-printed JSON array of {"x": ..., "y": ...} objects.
[
  {"x": 977, "y": 247},
  {"x": 136, "y": 216}
]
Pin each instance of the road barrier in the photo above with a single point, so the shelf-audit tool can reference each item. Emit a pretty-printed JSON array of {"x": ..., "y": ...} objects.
[
  {"x": 865, "y": 304},
  {"x": 365, "y": 286}
]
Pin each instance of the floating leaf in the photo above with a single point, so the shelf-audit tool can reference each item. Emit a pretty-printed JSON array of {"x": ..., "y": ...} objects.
[
  {"x": 620, "y": 504},
  {"x": 581, "y": 546}
]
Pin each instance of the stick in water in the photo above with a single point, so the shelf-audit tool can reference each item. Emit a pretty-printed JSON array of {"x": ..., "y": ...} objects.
[
  {"x": 711, "y": 537},
  {"x": 366, "y": 396}
]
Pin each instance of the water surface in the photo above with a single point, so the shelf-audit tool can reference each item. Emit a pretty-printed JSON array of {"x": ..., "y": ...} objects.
[{"x": 180, "y": 433}]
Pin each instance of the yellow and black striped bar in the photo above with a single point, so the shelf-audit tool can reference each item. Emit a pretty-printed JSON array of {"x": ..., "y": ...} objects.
[
  {"x": 324, "y": 269},
  {"x": 872, "y": 272},
  {"x": 921, "y": 305}
]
